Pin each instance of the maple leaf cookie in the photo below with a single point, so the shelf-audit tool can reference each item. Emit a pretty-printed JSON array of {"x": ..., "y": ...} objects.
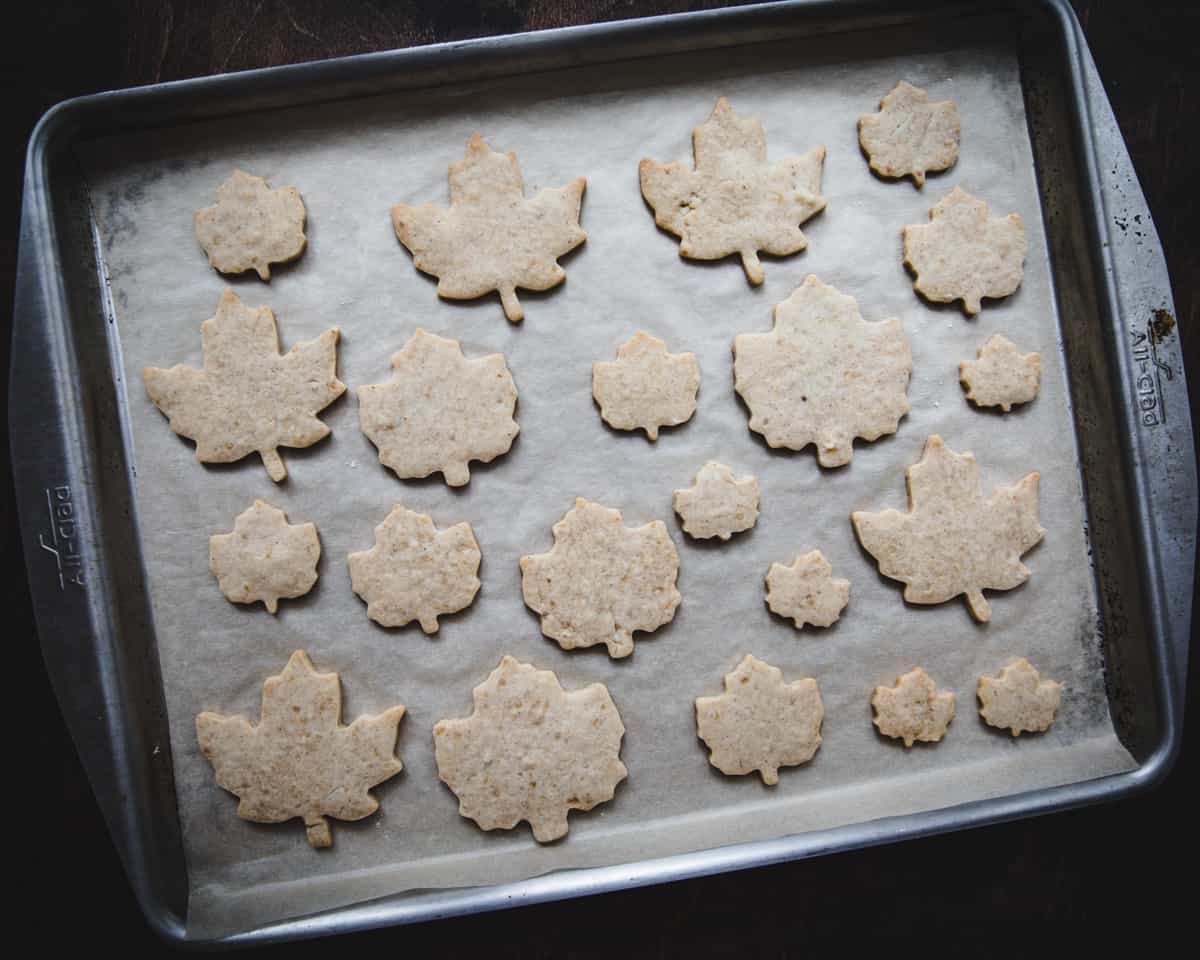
[
  {"x": 298, "y": 760},
  {"x": 735, "y": 202},
  {"x": 823, "y": 375},
  {"x": 415, "y": 571},
  {"x": 807, "y": 591},
  {"x": 645, "y": 387},
  {"x": 759, "y": 722},
  {"x": 440, "y": 410},
  {"x": 964, "y": 253},
  {"x": 952, "y": 541},
  {"x": 1019, "y": 699},
  {"x": 909, "y": 135},
  {"x": 265, "y": 557},
  {"x": 1001, "y": 376},
  {"x": 251, "y": 226},
  {"x": 491, "y": 237},
  {"x": 247, "y": 398},
  {"x": 531, "y": 751},
  {"x": 913, "y": 709},
  {"x": 719, "y": 504},
  {"x": 602, "y": 580}
]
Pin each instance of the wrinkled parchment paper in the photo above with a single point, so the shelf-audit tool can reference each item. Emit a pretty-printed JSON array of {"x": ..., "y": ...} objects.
[{"x": 352, "y": 161}]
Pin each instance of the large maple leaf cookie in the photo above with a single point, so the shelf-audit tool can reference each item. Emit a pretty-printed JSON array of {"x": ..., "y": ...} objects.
[
  {"x": 491, "y": 237},
  {"x": 531, "y": 751},
  {"x": 952, "y": 540},
  {"x": 416, "y": 571},
  {"x": 247, "y": 398},
  {"x": 735, "y": 202},
  {"x": 823, "y": 375},
  {"x": 602, "y": 580},
  {"x": 440, "y": 410},
  {"x": 299, "y": 761},
  {"x": 964, "y": 253}
]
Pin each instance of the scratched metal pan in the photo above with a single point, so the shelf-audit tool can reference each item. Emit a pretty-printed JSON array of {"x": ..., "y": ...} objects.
[{"x": 72, "y": 460}]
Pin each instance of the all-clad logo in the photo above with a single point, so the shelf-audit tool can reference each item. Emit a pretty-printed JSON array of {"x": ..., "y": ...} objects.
[
  {"x": 63, "y": 540},
  {"x": 1149, "y": 370}
]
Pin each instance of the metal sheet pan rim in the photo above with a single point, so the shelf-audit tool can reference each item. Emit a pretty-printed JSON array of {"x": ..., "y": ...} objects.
[
  {"x": 562, "y": 885},
  {"x": 67, "y": 118},
  {"x": 323, "y": 78}
]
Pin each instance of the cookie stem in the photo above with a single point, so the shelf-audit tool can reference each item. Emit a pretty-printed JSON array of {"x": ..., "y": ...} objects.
[
  {"x": 318, "y": 832},
  {"x": 621, "y": 644},
  {"x": 752, "y": 266},
  {"x": 512, "y": 306},
  {"x": 981, "y": 610},
  {"x": 274, "y": 464}
]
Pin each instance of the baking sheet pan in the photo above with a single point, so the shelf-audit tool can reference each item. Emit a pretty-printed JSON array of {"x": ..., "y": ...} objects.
[
  {"x": 72, "y": 438},
  {"x": 351, "y": 161}
]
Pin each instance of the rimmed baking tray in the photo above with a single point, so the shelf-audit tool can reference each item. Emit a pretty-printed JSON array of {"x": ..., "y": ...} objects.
[{"x": 72, "y": 449}]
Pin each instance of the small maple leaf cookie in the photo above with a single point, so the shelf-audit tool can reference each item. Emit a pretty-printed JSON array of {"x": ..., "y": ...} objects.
[
  {"x": 299, "y": 761},
  {"x": 1001, "y": 376},
  {"x": 415, "y": 571},
  {"x": 531, "y": 751},
  {"x": 823, "y": 375},
  {"x": 735, "y": 202},
  {"x": 965, "y": 254},
  {"x": 912, "y": 709},
  {"x": 251, "y": 226},
  {"x": 645, "y": 387},
  {"x": 719, "y": 505},
  {"x": 602, "y": 580},
  {"x": 952, "y": 541},
  {"x": 440, "y": 410},
  {"x": 1019, "y": 699},
  {"x": 247, "y": 398},
  {"x": 806, "y": 591},
  {"x": 759, "y": 722},
  {"x": 491, "y": 237},
  {"x": 265, "y": 557},
  {"x": 909, "y": 135}
]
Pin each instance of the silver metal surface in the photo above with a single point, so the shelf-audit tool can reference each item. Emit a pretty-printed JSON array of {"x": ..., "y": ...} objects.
[
  {"x": 1137, "y": 272},
  {"x": 73, "y": 471}
]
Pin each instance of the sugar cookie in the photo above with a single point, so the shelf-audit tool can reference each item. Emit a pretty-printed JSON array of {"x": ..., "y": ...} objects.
[
  {"x": 735, "y": 202},
  {"x": 299, "y": 761},
  {"x": 807, "y": 591},
  {"x": 440, "y": 410},
  {"x": 913, "y": 709},
  {"x": 416, "y": 571},
  {"x": 718, "y": 504},
  {"x": 491, "y": 237},
  {"x": 265, "y": 557},
  {"x": 645, "y": 387},
  {"x": 952, "y": 541},
  {"x": 531, "y": 751},
  {"x": 823, "y": 375},
  {"x": 247, "y": 398},
  {"x": 602, "y": 580},
  {"x": 759, "y": 722}
]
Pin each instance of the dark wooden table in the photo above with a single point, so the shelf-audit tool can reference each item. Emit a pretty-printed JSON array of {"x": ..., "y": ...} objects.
[{"x": 1090, "y": 876}]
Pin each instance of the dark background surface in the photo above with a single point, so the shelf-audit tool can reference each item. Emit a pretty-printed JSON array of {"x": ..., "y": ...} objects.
[{"x": 1092, "y": 877}]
